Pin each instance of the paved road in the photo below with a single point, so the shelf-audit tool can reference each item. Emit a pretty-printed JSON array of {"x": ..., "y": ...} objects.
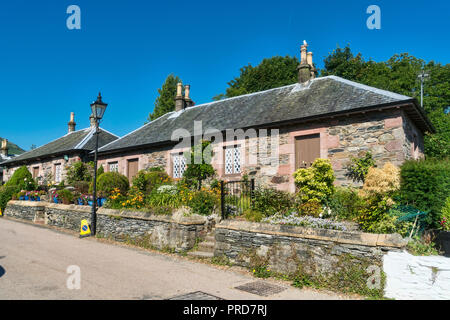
[{"x": 34, "y": 261}]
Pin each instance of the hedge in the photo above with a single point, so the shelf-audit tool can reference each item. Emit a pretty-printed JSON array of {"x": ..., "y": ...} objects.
[{"x": 425, "y": 184}]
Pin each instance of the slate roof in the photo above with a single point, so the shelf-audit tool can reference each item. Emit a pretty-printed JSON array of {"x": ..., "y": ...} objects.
[
  {"x": 81, "y": 140},
  {"x": 321, "y": 96}
]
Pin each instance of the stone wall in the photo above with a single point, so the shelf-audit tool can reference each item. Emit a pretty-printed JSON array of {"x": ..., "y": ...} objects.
[
  {"x": 285, "y": 248},
  {"x": 176, "y": 232}
]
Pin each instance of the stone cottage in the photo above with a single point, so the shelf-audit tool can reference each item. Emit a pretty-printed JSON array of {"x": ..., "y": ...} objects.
[
  {"x": 49, "y": 162},
  {"x": 327, "y": 117}
]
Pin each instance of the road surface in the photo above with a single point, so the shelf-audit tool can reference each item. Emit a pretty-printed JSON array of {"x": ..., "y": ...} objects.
[{"x": 34, "y": 262}]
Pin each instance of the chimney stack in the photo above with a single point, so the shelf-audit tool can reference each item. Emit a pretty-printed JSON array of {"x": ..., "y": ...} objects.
[
  {"x": 72, "y": 123},
  {"x": 187, "y": 99},
  {"x": 4, "y": 149},
  {"x": 305, "y": 69},
  {"x": 92, "y": 121},
  {"x": 179, "y": 101}
]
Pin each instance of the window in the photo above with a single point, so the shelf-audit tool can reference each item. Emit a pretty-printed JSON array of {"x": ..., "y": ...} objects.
[
  {"x": 58, "y": 173},
  {"x": 113, "y": 167},
  {"x": 233, "y": 160},
  {"x": 179, "y": 165}
]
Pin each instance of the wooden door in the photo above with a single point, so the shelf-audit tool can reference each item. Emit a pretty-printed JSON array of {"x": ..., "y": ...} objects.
[
  {"x": 307, "y": 149},
  {"x": 35, "y": 172},
  {"x": 132, "y": 168}
]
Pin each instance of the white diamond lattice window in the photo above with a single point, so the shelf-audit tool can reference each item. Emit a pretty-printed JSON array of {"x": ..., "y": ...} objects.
[
  {"x": 179, "y": 165},
  {"x": 58, "y": 172},
  {"x": 114, "y": 167},
  {"x": 232, "y": 160}
]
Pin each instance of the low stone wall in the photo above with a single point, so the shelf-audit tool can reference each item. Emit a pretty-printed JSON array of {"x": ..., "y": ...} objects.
[
  {"x": 286, "y": 248},
  {"x": 176, "y": 232}
]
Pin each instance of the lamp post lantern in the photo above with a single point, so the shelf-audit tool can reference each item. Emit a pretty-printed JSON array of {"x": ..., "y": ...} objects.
[
  {"x": 422, "y": 76},
  {"x": 98, "y": 108}
]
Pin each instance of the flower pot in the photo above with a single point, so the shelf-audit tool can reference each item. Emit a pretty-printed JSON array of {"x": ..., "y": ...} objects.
[
  {"x": 90, "y": 203},
  {"x": 26, "y": 198},
  {"x": 22, "y": 198},
  {"x": 443, "y": 242},
  {"x": 55, "y": 200},
  {"x": 38, "y": 198},
  {"x": 80, "y": 202},
  {"x": 101, "y": 202}
]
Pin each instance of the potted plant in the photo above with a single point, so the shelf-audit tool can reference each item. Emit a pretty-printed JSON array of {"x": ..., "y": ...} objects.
[
  {"x": 90, "y": 200},
  {"x": 55, "y": 196},
  {"x": 21, "y": 195}
]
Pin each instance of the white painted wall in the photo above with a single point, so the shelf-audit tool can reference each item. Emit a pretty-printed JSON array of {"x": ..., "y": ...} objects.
[{"x": 416, "y": 277}]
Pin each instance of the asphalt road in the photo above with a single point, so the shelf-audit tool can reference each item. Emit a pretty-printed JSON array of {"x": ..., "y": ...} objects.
[{"x": 34, "y": 262}]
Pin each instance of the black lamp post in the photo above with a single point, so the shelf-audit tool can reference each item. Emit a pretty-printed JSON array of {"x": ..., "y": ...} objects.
[{"x": 98, "y": 109}]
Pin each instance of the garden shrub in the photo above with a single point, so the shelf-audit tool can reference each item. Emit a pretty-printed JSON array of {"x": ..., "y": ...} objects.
[
  {"x": 253, "y": 215},
  {"x": 81, "y": 186},
  {"x": 79, "y": 171},
  {"x": 359, "y": 167},
  {"x": 145, "y": 181},
  {"x": 66, "y": 196},
  {"x": 345, "y": 203},
  {"x": 311, "y": 207},
  {"x": 425, "y": 184},
  {"x": 109, "y": 181},
  {"x": 315, "y": 182},
  {"x": 196, "y": 172},
  {"x": 23, "y": 179},
  {"x": 6, "y": 193},
  {"x": 381, "y": 181},
  {"x": 203, "y": 202},
  {"x": 165, "y": 196},
  {"x": 270, "y": 201}
]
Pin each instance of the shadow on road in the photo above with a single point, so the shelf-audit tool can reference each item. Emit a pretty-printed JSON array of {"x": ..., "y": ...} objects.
[{"x": 2, "y": 271}]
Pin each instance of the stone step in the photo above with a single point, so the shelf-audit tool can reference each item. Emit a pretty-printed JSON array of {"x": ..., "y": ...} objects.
[
  {"x": 201, "y": 254},
  {"x": 206, "y": 246},
  {"x": 210, "y": 238}
]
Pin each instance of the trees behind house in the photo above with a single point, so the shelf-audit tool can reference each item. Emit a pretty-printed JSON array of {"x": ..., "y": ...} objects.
[{"x": 165, "y": 102}]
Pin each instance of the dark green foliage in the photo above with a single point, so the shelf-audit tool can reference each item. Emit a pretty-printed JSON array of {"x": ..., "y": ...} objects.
[
  {"x": 109, "y": 181},
  {"x": 270, "y": 73},
  {"x": 23, "y": 179},
  {"x": 359, "y": 167},
  {"x": 203, "y": 202},
  {"x": 425, "y": 184},
  {"x": 345, "y": 203},
  {"x": 79, "y": 171},
  {"x": 199, "y": 169},
  {"x": 166, "y": 100},
  {"x": 269, "y": 201},
  {"x": 146, "y": 180},
  {"x": 81, "y": 186},
  {"x": 66, "y": 195},
  {"x": 100, "y": 171},
  {"x": 399, "y": 74},
  {"x": 6, "y": 194}
]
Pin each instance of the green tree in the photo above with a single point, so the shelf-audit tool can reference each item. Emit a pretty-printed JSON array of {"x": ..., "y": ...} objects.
[
  {"x": 165, "y": 102},
  {"x": 399, "y": 74},
  {"x": 270, "y": 73}
]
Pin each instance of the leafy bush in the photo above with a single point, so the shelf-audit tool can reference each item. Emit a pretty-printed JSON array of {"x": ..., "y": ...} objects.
[
  {"x": 315, "y": 182},
  {"x": 345, "y": 203},
  {"x": 269, "y": 201},
  {"x": 81, "y": 186},
  {"x": 79, "y": 171},
  {"x": 109, "y": 181},
  {"x": 203, "y": 202},
  {"x": 422, "y": 246},
  {"x": 383, "y": 181},
  {"x": 66, "y": 196},
  {"x": 145, "y": 181},
  {"x": 253, "y": 215},
  {"x": 6, "y": 194},
  {"x": 359, "y": 167},
  {"x": 445, "y": 217},
  {"x": 165, "y": 196},
  {"x": 23, "y": 179},
  {"x": 311, "y": 207},
  {"x": 195, "y": 172},
  {"x": 426, "y": 185}
]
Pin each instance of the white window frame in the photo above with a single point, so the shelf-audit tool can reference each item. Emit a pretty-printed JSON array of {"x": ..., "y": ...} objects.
[
  {"x": 113, "y": 166},
  {"x": 58, "y": 172},
  {"x": 178, "y": 165},
  {"x": 232, "y": 160}
]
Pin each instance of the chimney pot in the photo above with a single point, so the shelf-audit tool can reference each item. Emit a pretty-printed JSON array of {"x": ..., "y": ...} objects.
[
  {"x": 72, "y": 123},
  {"x": 4, "y": 149},
  {"x": 179, "y": 101},
  {"x": 305, "y": 69}
]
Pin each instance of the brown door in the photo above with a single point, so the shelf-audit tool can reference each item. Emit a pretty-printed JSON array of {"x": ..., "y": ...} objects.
[
  {"x": 132, "y": 168},
  {"x": 307, "y": 149},
  {"x": 35, "y": 172}
]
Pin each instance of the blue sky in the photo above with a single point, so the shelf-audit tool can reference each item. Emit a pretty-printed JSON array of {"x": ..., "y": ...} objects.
[{"x": 127, "y": 48}]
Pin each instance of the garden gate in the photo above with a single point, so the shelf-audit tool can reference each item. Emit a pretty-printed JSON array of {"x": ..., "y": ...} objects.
[{"x": 236, "y": 196}]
